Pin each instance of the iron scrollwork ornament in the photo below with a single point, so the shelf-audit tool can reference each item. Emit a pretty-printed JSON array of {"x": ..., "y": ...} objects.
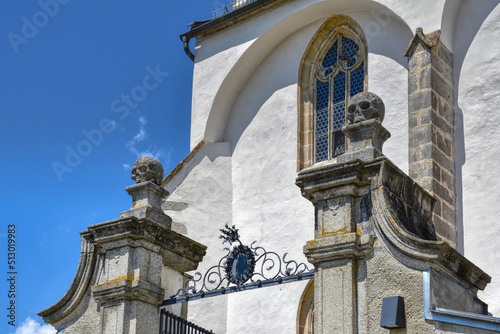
[
  {"x": 240, "y": 263},
  {"x": 244, "y": 267}
]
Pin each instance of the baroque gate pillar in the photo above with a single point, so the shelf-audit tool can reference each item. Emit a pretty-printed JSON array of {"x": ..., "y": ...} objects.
[
  {"x": 340, "y": 192},
  {"x": 128, "y": 266},
  {"x": 375, "y": 239}
]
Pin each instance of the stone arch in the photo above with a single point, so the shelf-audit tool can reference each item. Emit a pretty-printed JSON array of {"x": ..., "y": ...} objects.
[{"x": 305, "y": 312}]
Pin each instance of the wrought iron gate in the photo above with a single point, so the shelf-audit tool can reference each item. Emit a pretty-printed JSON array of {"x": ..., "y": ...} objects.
[{"x": 172, "y": 324}]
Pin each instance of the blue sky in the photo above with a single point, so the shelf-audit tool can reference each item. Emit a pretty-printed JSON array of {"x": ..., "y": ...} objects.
[{"x": 86, "y": 87}]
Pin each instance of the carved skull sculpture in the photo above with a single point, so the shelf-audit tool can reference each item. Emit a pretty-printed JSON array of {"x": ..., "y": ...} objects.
[
  {"x": 365, "y": 106},
  {"x": 147, "y": 169}
]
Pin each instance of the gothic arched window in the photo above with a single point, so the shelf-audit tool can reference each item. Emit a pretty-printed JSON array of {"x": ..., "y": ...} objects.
[{"x": 333, "y": 69}]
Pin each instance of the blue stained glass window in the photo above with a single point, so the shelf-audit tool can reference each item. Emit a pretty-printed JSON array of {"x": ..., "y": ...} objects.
[
  {"x": 331, "y": 56},
  {"x": 357, "y": 80},
  {"x": 349, "y": 51},
  {"x": 322, "y": 102},
  {"x": 339, "y": 86},
  {"x": 321, "y": 148},
  {"x": 331, "y": 95}
]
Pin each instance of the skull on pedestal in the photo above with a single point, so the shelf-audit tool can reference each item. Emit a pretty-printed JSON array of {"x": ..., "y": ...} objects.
[
  {"x": 365, "y": 106},
  {"x": 147, "y": 169}
]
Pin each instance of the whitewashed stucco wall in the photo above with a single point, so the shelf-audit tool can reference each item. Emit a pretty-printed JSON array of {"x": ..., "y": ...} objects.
[
  {"x": 477, "y": 80},
  {"x": 245, "y": 95},
  {"x": 202, "y": 192}
]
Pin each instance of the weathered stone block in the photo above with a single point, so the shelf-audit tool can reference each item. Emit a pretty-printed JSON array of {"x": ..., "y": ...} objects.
[
  {"x": 446, "y": 111},
  {"x": 412, "y": 83},
  {"x": 445, "y": 230},
  {"x": 420, "y": 136},
  {"x": 442, "y": 124},
  {"x": 413, "y": 63},
  {"x": 444, "y": 144},
  {"x": 444, "y": 161},
  {"x": 448, "y": 212},
  {"x": 425, "y": 58},
  {"x": 437, "y": 208},
  {"x": 448, "y": 180},
  {"x": 413, "y": 154},
  {"x": 426, "y": 152},
  {"x": 445, "y": 54},
  {"x": 413, "y": 121},
  {"x": 425, "y": 117},
  {"x": 444, "y": 69},
  {"x": 425, "y": 78},
  {"x": 419, "y": 170},
  {"x": 443, "y": 193},
  {"x": 441, "y": 86},
  {"x": 419, "y": 101},
  {"x": 436, "y": 171}
]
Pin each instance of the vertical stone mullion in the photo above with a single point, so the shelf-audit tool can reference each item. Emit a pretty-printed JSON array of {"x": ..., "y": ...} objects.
[{"x": 431, "y": 127}]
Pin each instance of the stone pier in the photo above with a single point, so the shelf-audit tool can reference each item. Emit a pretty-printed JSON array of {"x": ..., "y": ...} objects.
[
  {"x": 375, "y": 239},
  {"x": 128, "y": 266}
]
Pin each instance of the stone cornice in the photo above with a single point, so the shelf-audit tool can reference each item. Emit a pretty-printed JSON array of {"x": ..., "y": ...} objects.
[
  {"x": 127, "y": 289},
  {"x": 179, "y": 252},
  {"x": 336, "y": 247}
]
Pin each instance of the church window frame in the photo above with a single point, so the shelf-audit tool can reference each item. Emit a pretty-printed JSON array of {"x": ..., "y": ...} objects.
[{"x": 316, "y": 68}]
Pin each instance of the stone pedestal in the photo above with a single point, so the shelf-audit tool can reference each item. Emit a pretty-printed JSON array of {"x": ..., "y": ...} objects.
[{"x": 128, "y": 267}]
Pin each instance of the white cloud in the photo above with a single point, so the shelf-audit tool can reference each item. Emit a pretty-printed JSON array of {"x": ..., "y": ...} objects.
[
  {"x": 30, "y": 326},
  {"x": 162, "y": 155}
]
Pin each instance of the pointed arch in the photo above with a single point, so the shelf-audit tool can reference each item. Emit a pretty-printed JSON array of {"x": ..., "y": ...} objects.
[{"x": 333, "y": 68}]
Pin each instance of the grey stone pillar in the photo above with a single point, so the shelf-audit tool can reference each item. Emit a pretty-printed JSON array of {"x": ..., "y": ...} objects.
[
  {"x": 131, "y": 265},
  {"x": 431, "y": 127},
  {"x": 341, "y": 199}
]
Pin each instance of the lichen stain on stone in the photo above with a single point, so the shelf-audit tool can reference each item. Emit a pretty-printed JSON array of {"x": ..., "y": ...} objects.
[
  {"x": 129, "y": 278},
  {"x": 343, "y": 230},
  {"x": 395, "y": 224},
  {"x": 312, "y": 243},
  {"x": 135, "y": 205}
]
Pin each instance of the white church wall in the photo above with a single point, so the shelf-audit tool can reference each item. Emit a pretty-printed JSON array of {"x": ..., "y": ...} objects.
[
  {"x": 267, "y": 206},
  {"x": 219, "y": 76},
  {"x": 420, "y": 13},
  {"x": 477, "y": 78},
  {"x": 387, "y": 44},
  {"x": 204, "y": 190},
  {"x": 245, "y": 94}
]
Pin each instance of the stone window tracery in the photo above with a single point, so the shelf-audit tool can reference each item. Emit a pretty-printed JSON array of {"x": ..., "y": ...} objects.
[{"x": 333, "y": 69}]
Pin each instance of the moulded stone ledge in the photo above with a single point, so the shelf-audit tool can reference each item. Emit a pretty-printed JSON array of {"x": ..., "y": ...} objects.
[
  {"x": 178, "y": 251},
  {"x": 339, "y": 246},
  {"x": 109, "y": 293}
]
